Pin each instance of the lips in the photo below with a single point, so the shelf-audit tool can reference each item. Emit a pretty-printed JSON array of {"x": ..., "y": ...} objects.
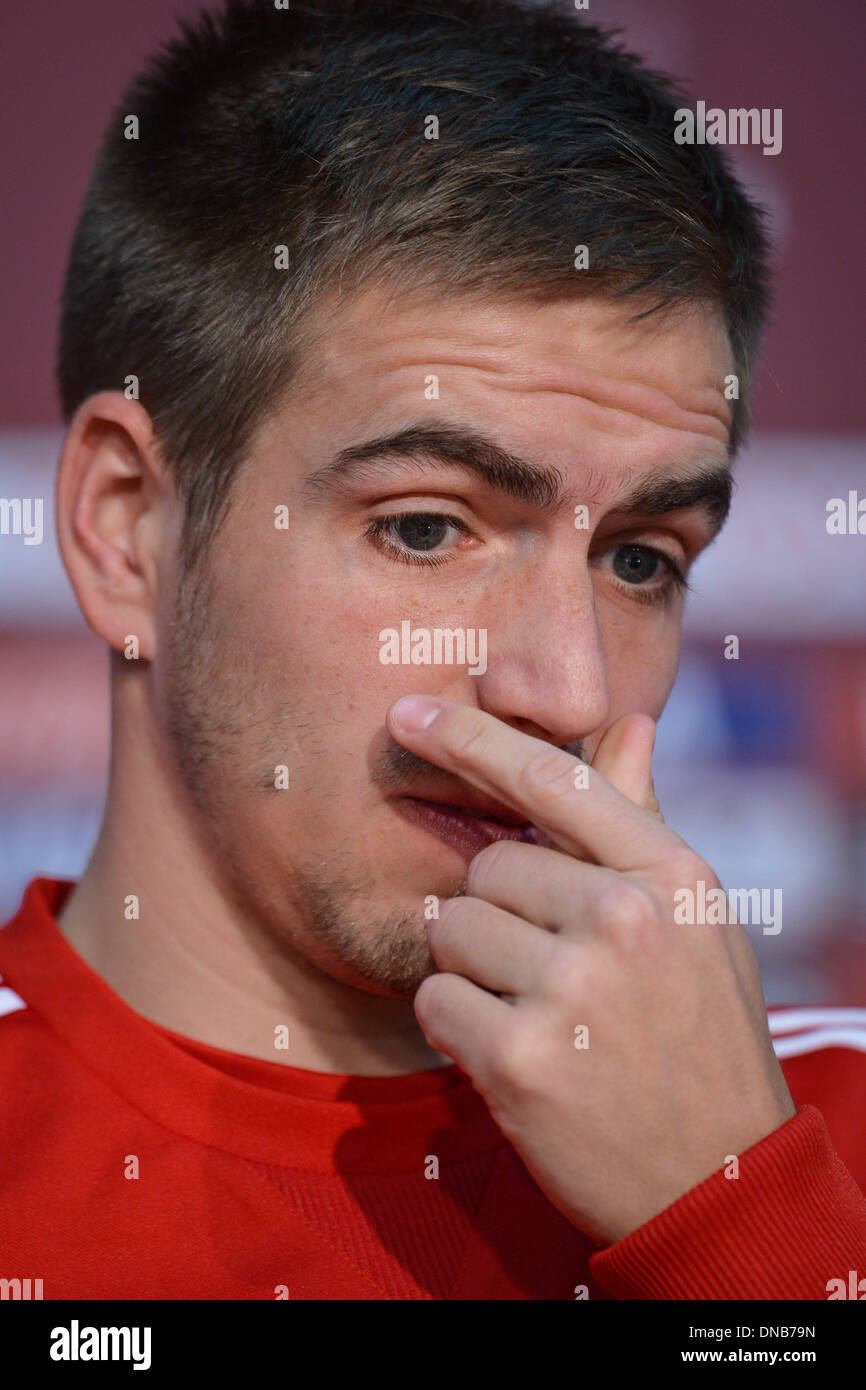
[
  {"x": 492, "y": 811},
  {"x": 470, "y": 827}
]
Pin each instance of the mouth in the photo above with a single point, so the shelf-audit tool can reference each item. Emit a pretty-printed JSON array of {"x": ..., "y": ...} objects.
[{"x": 468, "y": 829}]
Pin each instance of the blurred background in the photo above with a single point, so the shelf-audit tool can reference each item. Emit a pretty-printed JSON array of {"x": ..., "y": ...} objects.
[{"x": 761, "y": 760}]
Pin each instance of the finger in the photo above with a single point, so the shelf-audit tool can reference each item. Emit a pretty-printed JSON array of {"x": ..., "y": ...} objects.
[
  {"x": 494, "y": 948},
  {"x": 585, "y": 816},
  {"x": 543, "y": 886},
  {"x": 462, "y": 1020},
  {"x": 624, "y": 758}
]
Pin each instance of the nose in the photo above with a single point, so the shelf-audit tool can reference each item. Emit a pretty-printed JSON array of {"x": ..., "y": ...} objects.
[{"x": 546, "y": 668}]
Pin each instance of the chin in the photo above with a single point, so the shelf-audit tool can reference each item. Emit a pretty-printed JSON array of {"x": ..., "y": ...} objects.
[{"x": 392, "y": 980}]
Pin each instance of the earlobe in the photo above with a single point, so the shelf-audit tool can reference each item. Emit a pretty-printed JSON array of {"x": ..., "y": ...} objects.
[{"x": 110, "y": 487}]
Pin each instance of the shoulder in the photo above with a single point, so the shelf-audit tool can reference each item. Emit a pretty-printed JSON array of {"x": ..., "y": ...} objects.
[
  {"x": 33, "y": 1058},
  {"x": 10, "y": 1002},
  {"x": 16, "y": 1023},
  {"x": 806, "y": 1030},
  {"x": 822, "y": 1052}
]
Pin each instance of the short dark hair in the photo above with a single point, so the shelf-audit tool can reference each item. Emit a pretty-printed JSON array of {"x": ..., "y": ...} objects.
[{"x": 305, "y": 127}]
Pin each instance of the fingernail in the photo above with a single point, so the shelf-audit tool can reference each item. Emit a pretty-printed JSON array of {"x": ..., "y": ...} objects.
[{"x": 415, "y": 712}]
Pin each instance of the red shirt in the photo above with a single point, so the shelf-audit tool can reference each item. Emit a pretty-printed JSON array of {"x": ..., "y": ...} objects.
[{"x": 135, "y": 1163}]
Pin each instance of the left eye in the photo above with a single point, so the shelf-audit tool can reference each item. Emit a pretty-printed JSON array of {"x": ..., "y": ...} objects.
[
  {"x": 637, "y": 564},
  {"x": 650, "y": 573}
]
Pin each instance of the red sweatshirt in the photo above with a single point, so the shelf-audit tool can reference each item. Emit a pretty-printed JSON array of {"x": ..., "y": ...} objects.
[{"x": 135, "y": 1163}]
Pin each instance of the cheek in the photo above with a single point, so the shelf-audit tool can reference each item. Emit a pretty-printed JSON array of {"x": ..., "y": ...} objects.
[
  {"x": 307, "y": 620},
  {"x": 642, "y": 658}
]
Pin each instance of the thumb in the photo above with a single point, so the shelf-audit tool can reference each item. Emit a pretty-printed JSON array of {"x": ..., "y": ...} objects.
[{"x": 624, "y": 758}]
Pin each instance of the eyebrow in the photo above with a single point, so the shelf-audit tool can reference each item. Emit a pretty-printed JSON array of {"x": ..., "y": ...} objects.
[{"x": 709, "y": 486}]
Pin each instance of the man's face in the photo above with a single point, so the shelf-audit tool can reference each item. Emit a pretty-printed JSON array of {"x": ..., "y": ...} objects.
[{"x": 275, "y": 659}]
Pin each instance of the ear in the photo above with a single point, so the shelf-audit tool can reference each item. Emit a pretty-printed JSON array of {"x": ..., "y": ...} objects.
[{"x": 116, "y": 509}]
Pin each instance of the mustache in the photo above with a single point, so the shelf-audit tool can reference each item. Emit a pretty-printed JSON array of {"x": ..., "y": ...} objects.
[{"x": 400, "y": 767}]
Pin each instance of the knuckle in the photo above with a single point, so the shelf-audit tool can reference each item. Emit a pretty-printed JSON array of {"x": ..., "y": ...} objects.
[
  {"x": 490, "y": 861},
  {"x": 685, "y": 868},
  {"x": 628, "y": 908},
  {"x": 548, "y": 775},
  {"x": 466, "y": 732},
  {"x": 567, "y": 971},
  {"x": 516, "y": 1057}
]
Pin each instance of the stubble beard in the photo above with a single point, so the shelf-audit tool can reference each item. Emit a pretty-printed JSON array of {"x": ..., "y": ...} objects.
[{"x": 212, "y": 702}]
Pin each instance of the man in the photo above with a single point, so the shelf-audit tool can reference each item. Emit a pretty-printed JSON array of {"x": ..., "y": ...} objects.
[{"x": 396, "y": 350}]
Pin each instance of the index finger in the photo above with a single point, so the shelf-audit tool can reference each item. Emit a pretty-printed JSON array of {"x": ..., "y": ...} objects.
[{"x": 579, "y": 813}]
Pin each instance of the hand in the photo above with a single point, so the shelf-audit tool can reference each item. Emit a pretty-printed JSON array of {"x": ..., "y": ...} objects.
[{"x": 679, "y": 1071}]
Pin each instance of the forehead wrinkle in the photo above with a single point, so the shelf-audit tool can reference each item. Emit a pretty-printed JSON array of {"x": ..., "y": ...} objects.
[
  {"x": 615, "y": 394},
  {"x": 561, "y": 375},
  {"x": 514, "y": 362},
  {"x": 503, "y": 370},
  {"x": 645, "y": 403}
]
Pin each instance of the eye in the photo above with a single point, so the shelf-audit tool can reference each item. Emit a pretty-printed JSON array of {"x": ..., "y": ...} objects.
[
  {"x": 652, "y": 575},
  {"x": 412, "y": 536},
  {"x": 636, "y": 564}
]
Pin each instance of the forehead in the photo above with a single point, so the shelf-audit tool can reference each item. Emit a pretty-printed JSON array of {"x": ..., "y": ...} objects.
[
  {"x": 549, "y": 377},
  {"x": 566, "y": 345}
]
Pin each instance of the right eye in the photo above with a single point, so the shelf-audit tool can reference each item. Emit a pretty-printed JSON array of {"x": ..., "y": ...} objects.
[{"x": 411, "y": 536}]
